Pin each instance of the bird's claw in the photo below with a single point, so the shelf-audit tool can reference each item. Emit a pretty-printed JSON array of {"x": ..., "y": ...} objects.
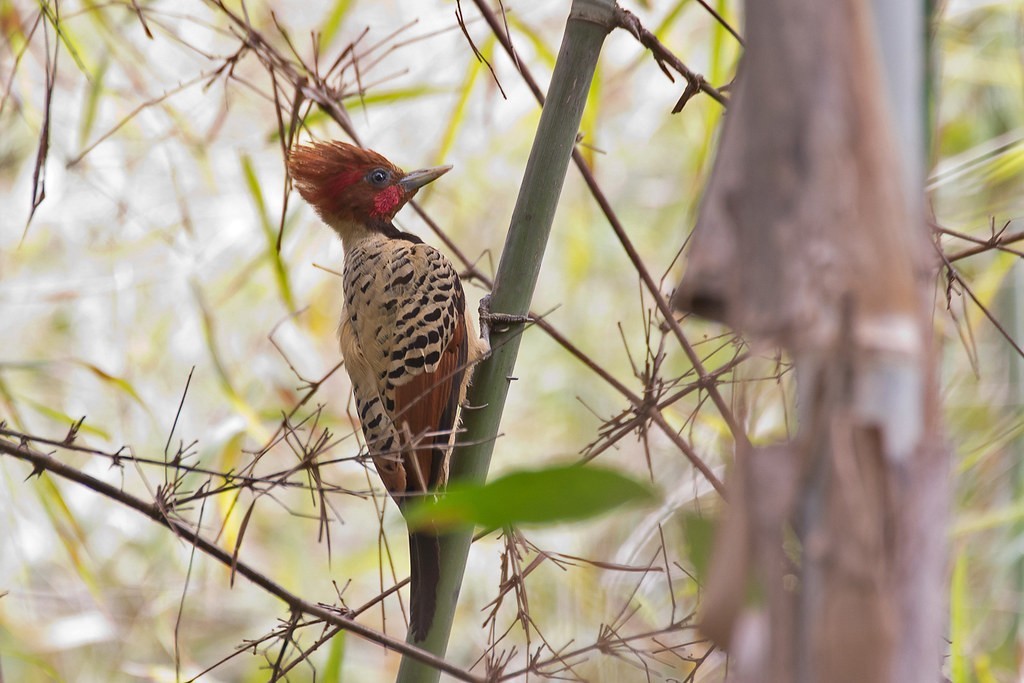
[{"x": 499, "y": 322}]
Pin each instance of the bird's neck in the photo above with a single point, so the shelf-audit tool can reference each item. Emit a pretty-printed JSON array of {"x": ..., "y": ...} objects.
[{"x": 354, "y": 233}]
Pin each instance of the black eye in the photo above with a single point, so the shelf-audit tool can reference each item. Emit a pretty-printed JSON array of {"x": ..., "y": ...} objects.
[{"x": 378, "y": 176}]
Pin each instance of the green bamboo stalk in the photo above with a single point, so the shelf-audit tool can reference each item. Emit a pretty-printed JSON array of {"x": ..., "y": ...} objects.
[
  {"x": 1013, "y": 319},
  {"x": 585, "y": 30}
]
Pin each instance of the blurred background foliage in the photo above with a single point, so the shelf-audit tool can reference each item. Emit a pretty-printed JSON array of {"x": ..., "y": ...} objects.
[{"x": 155, "y": 255}]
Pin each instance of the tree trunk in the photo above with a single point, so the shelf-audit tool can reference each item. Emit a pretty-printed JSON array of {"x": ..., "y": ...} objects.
[{"x": 810, "y": 236}]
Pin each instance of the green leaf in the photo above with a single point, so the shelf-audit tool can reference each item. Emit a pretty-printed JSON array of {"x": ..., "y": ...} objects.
[
  {"x": 700, "y": 537},
  {"x": 93, "y": 94},
  {"x": 117, "y": 382},
  {"x": 63, "y": 418},
  {"x": 458, "y": 115},
  {"x": 335, "y": 657},
  {"x": 661, "y": 31},
  {"x": 387, "y": 97},
  {"x": 544, "y": 53},
  {"x": 959, "y": 626},
  {"x": 546, "y": 496},
  {"x": 332, "y": 23},
  {"x": 269, "y": 232}
]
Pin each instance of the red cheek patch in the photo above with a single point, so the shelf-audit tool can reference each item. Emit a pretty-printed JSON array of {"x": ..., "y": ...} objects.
[{"x": 386, "y": 202}]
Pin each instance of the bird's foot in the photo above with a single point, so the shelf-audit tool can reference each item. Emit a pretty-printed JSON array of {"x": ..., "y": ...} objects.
[{"x": 498, "y": 322}]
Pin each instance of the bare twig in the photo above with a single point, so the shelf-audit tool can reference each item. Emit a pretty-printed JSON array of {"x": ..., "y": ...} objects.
[
  {"x": 664, "y": 57},
  {"x": 627, "y": 244},
  {"x": 997, "y": 240},
  {"x": 721, "y": 20},
  {"x": 476, "y": 51},
  {"x": 41, "y": 462}
]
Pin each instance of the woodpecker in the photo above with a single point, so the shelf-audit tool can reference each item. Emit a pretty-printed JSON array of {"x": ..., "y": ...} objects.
[{"x": 408, "y": 341}]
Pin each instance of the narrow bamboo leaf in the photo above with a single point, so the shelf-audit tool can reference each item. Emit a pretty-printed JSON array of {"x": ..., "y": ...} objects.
[
  {"x": 67, "y": 37},
  {"x": 544, "y": 53},
  {"x": 62, "y": 417},
  {"x": 588, "y": 125},
  {"x": 996, "y": 518},
  {"x": 330, "y": 25},
  {"x": 986, "y": 285},
  {"x": 389, "y": 97},
  {"x": 661, "y": 31},
  {"x": 959, "y": 627},
  {"x": 10, "y": 412},
  {"x": 1005, "y": 166},
  {"x": 720, "y": 61},
  {"x": 238, "y": 401},
  {"x": 723, "y": 47},
  {"x": 317, "y": 117},
  {"x": 457, "y": 116},
  {"x": 92, "y": 100},
  {"x": 546, "y": 496},
  {"x": 73, "y": 537},
  {"x": 983, "y": 669},
  {"x": 228, "y": 456},
  {"x": 700, "y": 537},
  {"x": 269, "y": 231},
  {"x": 118, "y": 382},
  {"x": 331, "y": 671}
]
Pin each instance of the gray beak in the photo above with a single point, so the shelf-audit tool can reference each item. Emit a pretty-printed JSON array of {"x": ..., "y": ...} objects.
[{"x": 417, "y": 179}]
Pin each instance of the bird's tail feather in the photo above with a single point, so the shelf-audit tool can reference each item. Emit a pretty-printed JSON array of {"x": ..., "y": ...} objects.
[{"x": 425, "y": 572}]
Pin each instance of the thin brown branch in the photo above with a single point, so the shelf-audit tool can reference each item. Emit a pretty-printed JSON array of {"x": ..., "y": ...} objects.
[
  {"x": 627, "y": 244},
  {"x": 998, "y": 240},
  {"x": 602, "y": 645},
  {"x": 721, "y": 20},
  {"x": 135, "y": 112},
  {"x": 142, "y": 19},
  {"x": 955, "y": 275},
  {"x": 476, "y": 51},
  {"x": 695, "y": 82},
  {"x": 42, "y": 462}
]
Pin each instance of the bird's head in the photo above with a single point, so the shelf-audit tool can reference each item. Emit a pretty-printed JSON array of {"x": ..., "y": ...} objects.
[{"x": 349, "y": 185}]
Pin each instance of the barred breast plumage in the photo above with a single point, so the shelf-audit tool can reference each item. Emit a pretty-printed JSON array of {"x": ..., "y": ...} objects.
[{"x": 407, "y": 346}]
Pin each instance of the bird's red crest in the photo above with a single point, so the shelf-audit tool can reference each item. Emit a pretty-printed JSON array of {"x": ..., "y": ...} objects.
[{"x": 330, "y": 176}]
